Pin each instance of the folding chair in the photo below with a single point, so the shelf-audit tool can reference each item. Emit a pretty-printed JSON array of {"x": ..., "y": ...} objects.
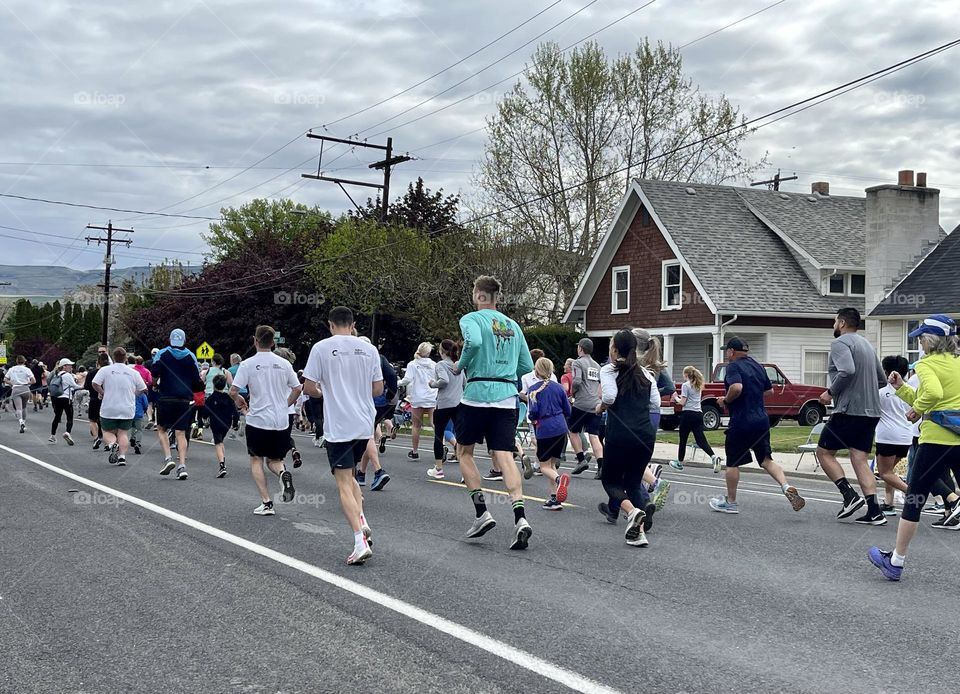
[{"x": 810, "y": 446}]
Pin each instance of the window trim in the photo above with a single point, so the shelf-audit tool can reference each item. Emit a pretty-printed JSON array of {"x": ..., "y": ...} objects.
[
  {"x": 803, "y": 364},
  {"x": 663, "y": 285},
  {"x": 846, "y": 284},
  {"x": 614, "y": 290},
  {"x": 906, "y": 339}
]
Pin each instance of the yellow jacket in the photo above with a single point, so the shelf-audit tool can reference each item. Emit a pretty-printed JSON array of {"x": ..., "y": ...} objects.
[{"x": 939, "y": 390}]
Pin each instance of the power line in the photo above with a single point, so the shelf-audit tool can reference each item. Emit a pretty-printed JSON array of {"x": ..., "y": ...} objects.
[
  {"x": 71, "y": 238},
  {"x": 99, "y": 207}
]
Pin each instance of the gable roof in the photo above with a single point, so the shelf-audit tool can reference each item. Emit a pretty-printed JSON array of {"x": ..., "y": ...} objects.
[{"x": 931, "y": 287}]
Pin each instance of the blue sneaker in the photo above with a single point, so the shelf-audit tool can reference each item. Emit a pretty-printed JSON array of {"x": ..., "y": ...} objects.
[
  {"x": 722, "y": 505},
  {"x": 882, "y": 560},
  {"x": 676, "y": 464},
  {"x": 361, "y": 478},
  {"x": 380, "y": 479}
]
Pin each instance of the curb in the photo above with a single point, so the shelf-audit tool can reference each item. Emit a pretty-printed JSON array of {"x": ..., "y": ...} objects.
[{"x": 745, "y": 468}]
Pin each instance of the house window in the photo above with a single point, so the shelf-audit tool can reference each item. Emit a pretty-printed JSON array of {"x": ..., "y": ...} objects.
[
  {"x": 620, "y": 294},
  {"x": 913, "y": 343},
  {"x": 670, "y": 298},
  {"x": 836, "y": 285},
  {"x": 815, "y": 367},
  {"x": 858, "y": 285}
]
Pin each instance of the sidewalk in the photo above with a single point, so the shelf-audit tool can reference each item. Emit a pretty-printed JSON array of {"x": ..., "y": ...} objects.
[{"x": 665, "y": 452}]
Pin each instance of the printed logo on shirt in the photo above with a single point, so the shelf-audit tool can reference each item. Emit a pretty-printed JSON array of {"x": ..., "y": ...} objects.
[
  {"x": 357, "y": 352},
  {"x": 272, "y": 366},
  {"x": 502, "y": 331}
]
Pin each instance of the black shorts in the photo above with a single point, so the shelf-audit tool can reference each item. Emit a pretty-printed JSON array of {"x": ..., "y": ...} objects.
[
  {"x": 739, "y": 444},
  {"x": 550, "y": 447},
  {"x": 583, "y": 420},
  {"x": 344, "y": 455},
  {"x": 218, "y": 430},
  {"x": 845, "y": 431},
  {"x": 174, "y": 414},
  {"x": 384, "y": 412},
  {"x": 496, "y": 425},
  {"x": 897, "y": 450},
  {"x": 272, "y": 444},
  {"x": 93, "y": 410}
]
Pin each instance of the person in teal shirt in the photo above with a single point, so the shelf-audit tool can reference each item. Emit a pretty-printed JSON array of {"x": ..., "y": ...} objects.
[{"x": 494, "y": 357}]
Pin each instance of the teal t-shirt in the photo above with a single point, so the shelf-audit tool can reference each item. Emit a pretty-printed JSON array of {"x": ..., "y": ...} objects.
[{"x": 493, "y": 348}]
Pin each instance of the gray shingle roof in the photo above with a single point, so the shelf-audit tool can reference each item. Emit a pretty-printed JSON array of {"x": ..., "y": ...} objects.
[
  {"x": 741, "y": 263},
  {"x": 931, "y": 287}
]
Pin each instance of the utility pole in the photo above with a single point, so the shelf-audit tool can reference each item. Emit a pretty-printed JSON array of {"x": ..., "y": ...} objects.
[
  {"x": 774, "y": 183},
  {"x": 107, "y": 262}
]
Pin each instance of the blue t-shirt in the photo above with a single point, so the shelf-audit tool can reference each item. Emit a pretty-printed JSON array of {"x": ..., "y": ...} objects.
[{"x": 747, "y": 412}]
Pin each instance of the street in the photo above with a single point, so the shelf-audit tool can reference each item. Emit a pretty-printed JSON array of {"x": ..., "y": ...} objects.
[{"x": 177, "y": 586}]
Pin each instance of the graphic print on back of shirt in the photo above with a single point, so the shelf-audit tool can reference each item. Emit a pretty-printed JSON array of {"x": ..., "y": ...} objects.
[{"x": 502, "y": 331}]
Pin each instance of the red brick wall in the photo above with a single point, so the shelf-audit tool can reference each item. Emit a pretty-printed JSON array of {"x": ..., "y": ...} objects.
[{"x": 644, "y": 249}]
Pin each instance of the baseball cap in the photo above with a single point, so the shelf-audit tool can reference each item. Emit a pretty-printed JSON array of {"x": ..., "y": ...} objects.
[
  {"x": 154, "y": 351},
  {"x": 64, "y": 362},
  {"x": 586, "y": 344},
  {"x": 737, "y": 345},
  {"x": 177, "y": 338},
  {"x": 937, "y": 324}
]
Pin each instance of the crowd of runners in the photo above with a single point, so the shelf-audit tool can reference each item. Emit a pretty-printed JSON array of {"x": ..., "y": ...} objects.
[{"x": 488, "y": 388}]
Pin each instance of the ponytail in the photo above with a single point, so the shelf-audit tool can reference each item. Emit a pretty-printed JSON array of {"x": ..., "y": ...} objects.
[{"x": 451, "y": 348}]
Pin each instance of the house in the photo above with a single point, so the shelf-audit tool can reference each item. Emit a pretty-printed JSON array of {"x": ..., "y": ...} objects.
[{"x": 695, "y": 263}]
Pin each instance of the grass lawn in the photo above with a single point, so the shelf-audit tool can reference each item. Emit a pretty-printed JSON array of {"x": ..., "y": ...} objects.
[{"x": 783, "y": 439}]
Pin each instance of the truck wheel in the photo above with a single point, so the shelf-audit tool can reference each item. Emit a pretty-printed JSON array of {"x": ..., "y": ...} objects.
[
  {"x": 669, "y": 423},
  {"x": 711, "y": 417},
  {"x": 775, "y": 420},
  {"x": 810, "y": 415}
]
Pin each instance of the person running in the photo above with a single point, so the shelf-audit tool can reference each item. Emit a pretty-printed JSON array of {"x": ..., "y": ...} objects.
[
  {"x": 549, "y": 409},
  {"x": 937, "y": 402},
  {"x": 220, "y": 410},
  {"x": 856, "y": 378},
  {"x": 386, "y": 404},
  {"x": 273, "y": 387},
  {"x": 894, "y": 434},
  {"x": 494, "y": 357},
  {"x": 139, "y": 420},
  {"x": 118, "y": 384},
  {"x": 39, "y": 378},
  {"x": 234, "y": 365},
  {"x": 93, "y": 409},
  {"x": 584, "y": 418},
  {"x": 423, "y": 398},
  {"x": 449, "y": 387},
  {"x": 20, "y": 379},
  {"x": 295, "y": 456},
  {"x": 62, "y": 386},
  {"x": 691, "y": 418},
  {"x": 216, "y": 369},
  {"x": 177, "y": 375},
  {"x": 346, "y": 370},
  {"x": 649, "y": 357},
  {"x": 372, "y": 452},
  {"x": 745, "y": 383},
  {"x": 525, "y": 382}
]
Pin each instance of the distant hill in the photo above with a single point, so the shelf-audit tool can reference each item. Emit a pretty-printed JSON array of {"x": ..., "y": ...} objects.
[{"x": 49, "y": 282}]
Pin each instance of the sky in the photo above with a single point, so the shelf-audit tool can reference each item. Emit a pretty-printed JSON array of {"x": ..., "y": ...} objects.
[{"x": 163, "y": 106}]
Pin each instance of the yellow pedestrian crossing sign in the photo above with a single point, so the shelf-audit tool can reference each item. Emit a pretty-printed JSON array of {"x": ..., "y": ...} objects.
[{"x": 205, "y": 351}]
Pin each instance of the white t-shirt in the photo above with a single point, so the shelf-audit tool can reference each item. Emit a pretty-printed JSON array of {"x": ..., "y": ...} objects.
[
  {"x": 120, "y": 384},
  {"x": 417, "y": 377},
  {"x": 609, "y": 390},
  {"x": 692, "y": 395},
  {"x": 893, "y": 427},
  {"x": 269, "y": 379},
  {"x": 345, "y": 367},
  {"x": 529, "y": 379},
  {"x": 19, "y": 375}
]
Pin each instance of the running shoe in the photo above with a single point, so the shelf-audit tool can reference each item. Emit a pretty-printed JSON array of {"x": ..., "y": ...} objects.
[
  {"x": 552, "y": 504},
  {"x": 598, "y": 473},
  {"x": 660, "y": 494},
  {"x": 657, "y": 470},
  {"x": 297, "y": 460},
  {"x": 265, "y": 509},
  {"x": 793, "y": 496},
  {"x": 494, "y": 476},
  {"x": 181, "y": 472},
  {"x": 933, "y": 510},
  {"x": 286, "y": 486},
  {"x": 649, "y": 510},
  {"x": 604, "y": 508},
  {"x": 318, "y": 443},
  {"x": 121, "y": 461},
  {"x": 382, "y": 446},
  {"x": 222, "y": 471},
  {"x": 358, "y": 557},
  {"x": 168, "y": 466},
  {"x": 955, "y": 513},
  {"x": 563, "y": 487},
  {"x": 521, "y": 534},
  {"x": 96, "y": 444},
  {"x": 23, "y": 426},
  {"x": 676, "y": 464},
  {"x": 888, "y": 510},
  {"x": 136, "y": 449},
  {"x": 435, "y": 473},
  {"x": 380, "y": 479},
  {"x": 872, "y": 519},
  {"x": 68, "y": 438},
  {"x": 446, "y": 452},
  {"x": 883, "y": 561},
  {"x": 482, "y": 525},
  {"x": 361, "y": 478},
  {"x": 850, "y": 506},
  {"x": 537, "y": 471},
  {"x": 527, "y": 466},
  {"x": 722, "y": 505},
  {"x": 52, "y": 439},
  {"x": 640, "y": 541},
  {"x": 582, "y": 465},
  {"x": 717, "y": 463},
  {"x": 634, "y": 524},
  {"x": 413, "y": 455},
  {"x": 114, "y": 457},
  {"x": 452, "y": 458}
]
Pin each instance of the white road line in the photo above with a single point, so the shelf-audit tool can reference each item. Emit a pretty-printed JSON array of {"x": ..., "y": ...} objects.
[
  {"x": 528, "y": 661},
  {"x": 750, "y": 491}
]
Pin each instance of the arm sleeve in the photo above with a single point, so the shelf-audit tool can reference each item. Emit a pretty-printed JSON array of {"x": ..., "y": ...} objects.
[
  {"x": 576, "y": 380},
  {"x": 930, "y": 391},
  {"x": 472, "y": 340},
  {"x": 441, "y": 377},
  {"x": 240, "y": 380},
  {"x": 608, "y": 382},
  {"x": 141, "y": 384},
  {"x": 733, "y": 375},
  {"x": 292, "y": 380},
  {"x": 408, "y": 374},
  {"x": 98, "y": 379},
  {"x": 685, "y": 389},
  {"x": 842, "y": 359},
  {"x": 310, "y": 371}
]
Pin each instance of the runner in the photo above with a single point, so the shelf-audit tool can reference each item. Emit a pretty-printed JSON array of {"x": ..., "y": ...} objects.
[
  {"x": 221, "y": 410},
  {"x": 93, "y": 409},
  {"x": 567, "y": 379},
  {"x": 212, "y": 372},
  {"x": 494, "y": 357},
  {"x": 372, "y": 452},
  {"x": 20, "y": 379},
  {"x": 855, "y": 377},
  {"x": 117, "y": 385},
  {"x": 937, "y": 401},
  {"x": 273, "y": 387},
  {"x": 449, "y": 387},
  {"x": 287, "y": 354},
  {"x": 894, "y": 434},
  {"x": 423, "y": 398},
  {"x": 386, "y": 404},
  {"x": 525, "y": 382},
  {"x": 648, "y": 356},
  {"x": 177, "y": 375},
  {"x": 234, "y": 365},
  {"x": 745, "y": 383},
  {"x": 39, "y": 376},
  {"x": 585, "y": 382},
  {"x": 691, "y": 418},
  {"x": 62, "y": 386},
  {"x": 347, "y": 371},
  {"x": 549, "y": 410},
  {"x": 139, "y": 421}
]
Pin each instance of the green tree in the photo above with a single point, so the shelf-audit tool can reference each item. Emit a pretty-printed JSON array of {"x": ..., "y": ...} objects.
[{"x": 251, "y": 228}]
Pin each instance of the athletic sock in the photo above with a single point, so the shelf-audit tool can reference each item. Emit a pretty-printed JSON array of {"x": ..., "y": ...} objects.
[
  {"x": 479, "y": 503},
  {"x": 844, "y": 486},
  {"x": 580, "y": 457},
  {"x": 897, "y": 559},
  {"x": 599, "y": 463},
  {"x": 518, "y": 512},
  {"x": 872, "y": 507}
]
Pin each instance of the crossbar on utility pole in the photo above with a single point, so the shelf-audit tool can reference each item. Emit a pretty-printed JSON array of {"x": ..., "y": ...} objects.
[
  {"x": 107, "y": 262},
  {"x": 774, "y": 183}
]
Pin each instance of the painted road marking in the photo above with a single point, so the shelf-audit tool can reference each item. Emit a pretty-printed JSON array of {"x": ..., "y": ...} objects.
[
  {"x": 527, "y": 661},
  {"x": 495, "y": 491}
]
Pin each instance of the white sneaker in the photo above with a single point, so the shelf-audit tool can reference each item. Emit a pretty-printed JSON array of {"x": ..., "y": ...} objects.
[
  {"x": 358, "y": 556},
  {"x": 52, "y": 439},
  {"x": 521, "y": 534},
  {"x": 717, "y": 463},
  {"x": 435, "y": 473},
  {"x": 264, "y": 510},
  {"x": 641, "y": 540},
  {"x": 68, "y": 438},
  {"x": 482, "y": 525},
  {"x": 634, "y": 525}
]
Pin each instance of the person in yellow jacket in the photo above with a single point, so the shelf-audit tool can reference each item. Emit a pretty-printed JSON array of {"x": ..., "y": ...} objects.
[{"x": 937, "y": 401}]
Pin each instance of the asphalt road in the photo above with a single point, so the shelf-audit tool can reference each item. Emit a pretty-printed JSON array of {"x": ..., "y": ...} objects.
[{"x": 100, "y": 594}]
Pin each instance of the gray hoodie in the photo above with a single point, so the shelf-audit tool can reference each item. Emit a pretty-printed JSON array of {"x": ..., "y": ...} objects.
[
  {"x": 586, "y": 382},
  {"x": 855, "y": 376},
  {"x": 449, "y": 385}
]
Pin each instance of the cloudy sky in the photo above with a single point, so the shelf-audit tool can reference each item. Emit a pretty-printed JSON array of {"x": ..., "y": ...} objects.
[{"x": 163, "y": 105}]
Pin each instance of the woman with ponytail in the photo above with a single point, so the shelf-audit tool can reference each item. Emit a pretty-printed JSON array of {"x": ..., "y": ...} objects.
[
  {"x": 422, "y": 397},
  {"x": 549, "y": 408},
  {"x": 449, "y": 387},
  {"x": 691, "y": 418}
]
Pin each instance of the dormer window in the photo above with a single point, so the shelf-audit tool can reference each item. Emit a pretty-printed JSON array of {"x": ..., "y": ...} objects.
[
  {"x": 847, "y": 284},
  {"x": 858, "y": 284},
  {"x": 836, "y": 285}
]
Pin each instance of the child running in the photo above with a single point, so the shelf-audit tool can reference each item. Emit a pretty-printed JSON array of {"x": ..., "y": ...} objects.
[
  {"x": 549, "y": 408},
  {"x": 221, "y": 411},
  {"x": 691, "y": 418}
]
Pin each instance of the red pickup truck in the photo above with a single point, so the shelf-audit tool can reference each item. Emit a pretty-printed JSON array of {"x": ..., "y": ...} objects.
[{"x": 786, "y": 400}]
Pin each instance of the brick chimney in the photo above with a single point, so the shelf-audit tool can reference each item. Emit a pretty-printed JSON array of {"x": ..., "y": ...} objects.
[{"x": 820, "y": 187}]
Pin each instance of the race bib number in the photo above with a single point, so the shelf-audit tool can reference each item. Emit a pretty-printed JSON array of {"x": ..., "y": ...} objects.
[{"x": 593, "y": 374}]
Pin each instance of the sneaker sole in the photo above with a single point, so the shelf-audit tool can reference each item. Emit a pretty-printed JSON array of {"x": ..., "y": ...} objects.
[
  {"x": 268, "y": 512},
  {"x": 650, "y": 509},
  {"x": 580, "y": 468},
  {"x": 380, "y": 484},
  {"x": 847, "y": 512},
  {"x": 882, "y": 568},
  {"x": 382, "y": 446},
  {"x": 639, "y": 542},
  {"x": 522, "y": 538},
  {"x": 793, "y": 496},
  {"x": 286, "y": 484},
  {"x": 604, "y": 509},
  {"x": 483, "y": 529},
  {"x": 221, "y": 474},
  {"x": 563, "y": 486},
  {"x": 660, "y": 499},
  {"x": 68, "y": 440},
  {"x": 731, "y": 511},
  {"x": 635, "y": 528},
  {"x": 360, "y": 558},
  {"x": 168, "y": 468}
]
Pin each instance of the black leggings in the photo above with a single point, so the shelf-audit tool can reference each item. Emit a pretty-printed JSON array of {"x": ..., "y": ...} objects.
[
  {"x": 441, "y": 418},
  {"x": 624, "y": 462},
  {"x": 61, "y": 405},
  {"x": 691, "y": 421},
  {"x": 928, "y": 467}
]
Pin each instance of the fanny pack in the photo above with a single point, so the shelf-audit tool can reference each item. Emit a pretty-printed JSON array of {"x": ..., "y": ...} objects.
[
  {"x": 492, "y": 380},
  {"x": 948, "y": 419}
]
